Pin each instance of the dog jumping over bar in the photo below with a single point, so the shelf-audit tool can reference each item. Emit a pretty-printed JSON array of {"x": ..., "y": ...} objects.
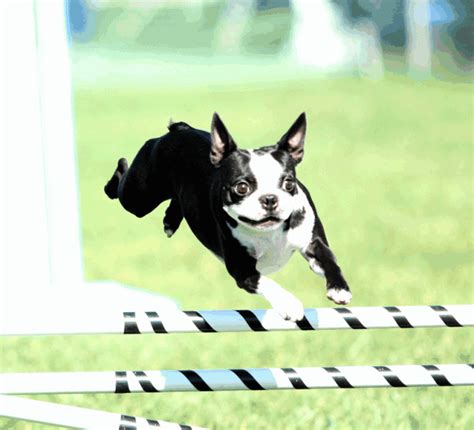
[{"x": 246, "y": 206}]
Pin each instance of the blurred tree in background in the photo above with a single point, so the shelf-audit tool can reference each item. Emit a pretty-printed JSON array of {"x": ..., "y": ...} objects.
[{"x": 283, "y": 29}]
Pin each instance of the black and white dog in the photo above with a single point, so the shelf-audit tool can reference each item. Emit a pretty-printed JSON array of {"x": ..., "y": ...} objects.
[{"x": 246, "y": 206}]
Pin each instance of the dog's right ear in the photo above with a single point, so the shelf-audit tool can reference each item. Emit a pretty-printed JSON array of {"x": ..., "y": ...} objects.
[{"x": 222, "y": 144}]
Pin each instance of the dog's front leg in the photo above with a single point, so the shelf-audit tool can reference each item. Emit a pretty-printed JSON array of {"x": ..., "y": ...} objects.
[
  {"x": 285, "y": 303},
  {"x": 322, "y": 261},
  {"x": 173, "y": 217},
  {"x": 242, "y": 268}
]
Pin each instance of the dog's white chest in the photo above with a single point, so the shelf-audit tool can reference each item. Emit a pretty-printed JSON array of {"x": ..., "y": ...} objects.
[
  {"x": 274, "y": 257},
  {"x": 271, "y": 250}
]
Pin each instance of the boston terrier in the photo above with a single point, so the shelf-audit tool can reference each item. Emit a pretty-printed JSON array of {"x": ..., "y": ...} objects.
[{"x": 246, "y": 206}]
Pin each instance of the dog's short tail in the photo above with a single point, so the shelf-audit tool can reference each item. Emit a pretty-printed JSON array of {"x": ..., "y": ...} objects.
[
  {"x": 111, "y": 188},
  {"x": 178, "y": 126}
]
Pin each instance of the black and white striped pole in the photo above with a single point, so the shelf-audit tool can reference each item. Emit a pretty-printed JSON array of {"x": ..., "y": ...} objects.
[
  {"x": 79, "y": 418},
  {"x": 154, "y": 381},
  {"x": 220, "y": 321}
]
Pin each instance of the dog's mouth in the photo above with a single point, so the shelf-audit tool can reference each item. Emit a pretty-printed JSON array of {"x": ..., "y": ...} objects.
[{"x": 268, "y": 221}]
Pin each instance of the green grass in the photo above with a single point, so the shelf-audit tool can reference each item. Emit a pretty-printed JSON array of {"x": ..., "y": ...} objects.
[{"x": 389, "y": 165}]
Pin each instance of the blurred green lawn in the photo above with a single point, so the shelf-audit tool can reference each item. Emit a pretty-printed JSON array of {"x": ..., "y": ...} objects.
[{"x": 389, "y": 165}]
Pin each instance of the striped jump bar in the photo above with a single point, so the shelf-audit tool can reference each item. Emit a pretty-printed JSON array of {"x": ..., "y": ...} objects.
[
  {"x": 79, "y": 418},
  {"x": 219, "y": 321},
  {"x": 299, "y": 378}
]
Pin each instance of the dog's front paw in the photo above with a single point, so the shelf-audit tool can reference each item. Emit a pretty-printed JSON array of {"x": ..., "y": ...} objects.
[
  {"x": 288, "y": 307},
  {"x": 340, "y": 296}
]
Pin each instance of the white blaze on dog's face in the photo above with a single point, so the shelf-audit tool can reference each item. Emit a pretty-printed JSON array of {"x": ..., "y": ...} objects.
[
  {"x": 259, "y": 188},
  {"x": 262, "y": 197}
]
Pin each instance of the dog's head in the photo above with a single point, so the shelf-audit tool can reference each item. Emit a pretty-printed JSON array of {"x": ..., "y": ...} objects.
[{"x": 259, "y": 188}]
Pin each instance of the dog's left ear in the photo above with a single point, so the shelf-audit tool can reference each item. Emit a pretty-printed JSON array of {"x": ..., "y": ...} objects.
[
  {"x": 293, "y": 140},
  {"x": 222, "y": 143}
]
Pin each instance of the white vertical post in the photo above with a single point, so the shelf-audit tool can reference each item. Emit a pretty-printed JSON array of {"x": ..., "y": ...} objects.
[
  {"x": 24, "y": 242},
  {"x": 417, "y": 17},
  {"x": 318, "y": 38},
  {"x": 40, "y": 246},
  {"x": 58, "y": 144}
]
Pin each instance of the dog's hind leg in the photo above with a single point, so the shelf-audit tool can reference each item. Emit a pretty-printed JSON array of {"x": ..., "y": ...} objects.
[
  {"x": 173, "y": 217},
  {"x": 143, "y": 186},
  {"x": 111, "y": 188}
]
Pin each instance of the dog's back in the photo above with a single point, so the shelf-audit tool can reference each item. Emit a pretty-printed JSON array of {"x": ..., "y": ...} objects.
[{"x": 175, "y": 167}]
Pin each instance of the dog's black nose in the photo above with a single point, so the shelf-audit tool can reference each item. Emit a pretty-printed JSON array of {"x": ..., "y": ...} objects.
[{"x": 269, "y": 201}]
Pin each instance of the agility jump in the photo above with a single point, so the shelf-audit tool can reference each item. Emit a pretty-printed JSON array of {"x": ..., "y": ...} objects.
[
  {"x": 223, "y": 321},
  {"x": 298, "y": 378},
  {"x": 288, "y": 378}
]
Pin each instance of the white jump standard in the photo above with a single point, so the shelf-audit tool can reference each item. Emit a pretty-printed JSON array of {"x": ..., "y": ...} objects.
[
  {"x": 110, "y": 321},
  {"x": 156, "y": 381}
]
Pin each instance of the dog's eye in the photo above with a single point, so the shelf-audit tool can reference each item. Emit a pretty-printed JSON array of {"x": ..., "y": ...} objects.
[
  {"x": 289, "y": 185},
  {"x": 242, "y": 188}
]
